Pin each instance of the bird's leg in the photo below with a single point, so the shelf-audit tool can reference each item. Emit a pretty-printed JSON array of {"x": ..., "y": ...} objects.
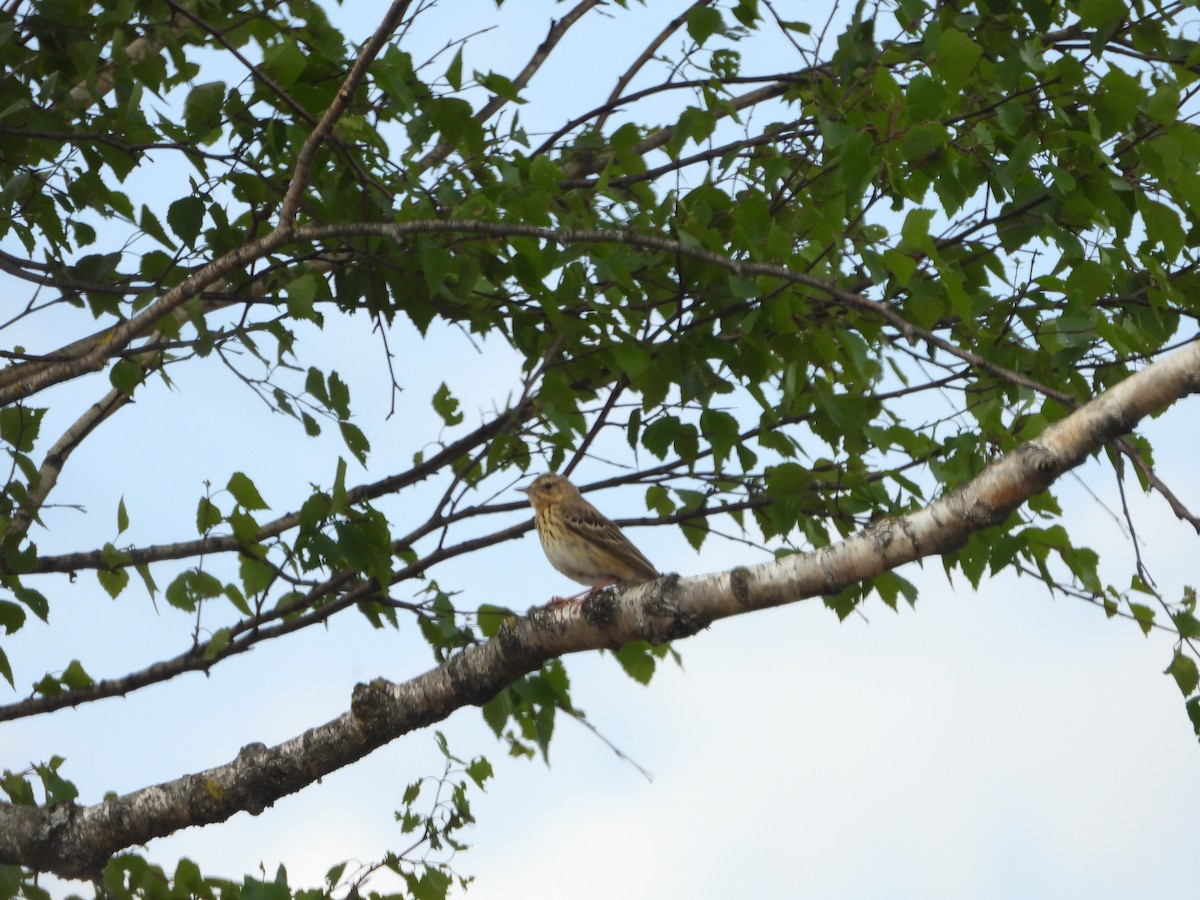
[{"x": 581, "y": 597}]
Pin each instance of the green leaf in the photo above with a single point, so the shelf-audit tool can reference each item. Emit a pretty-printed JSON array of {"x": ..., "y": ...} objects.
[
  {"x": 216, "y": 644},
  {"x": 1193, "y": 711},
  {"x": 1186, "y": 624},
  {"x": 33, "y": 599},
  {"x": 208, "y": 516},
  {"x": 285, "y": 62},
  {"x": 543, "y": 722},
  {"x": 356, "y": 441},
  {"x": 703, "y": 22},
  {"x": 185, "y": 217},
  {"x": 19, "y": 790},
  {"x": 149, "y": 223},
  {"x": 244, "y": 526},
  {"x": 189, "y": 588},
  {"x": 891, "y": 587},
  {"x": 446, "y": 406},
  {"x": 746, "y": 12},
  {"x": 496, "y": 712},
  {"x": 787, "y": 479},
  {"x": 12, "y": 616},
  {"x": 339, "y": 396},
  {"x": 125, "y": 376},
  {"x": 659, "y": 435},
  {"x": 411, "y": 793},
  {"x": 1116, "y": 102},
  {"x": 19, "y": 426},
  {"x": 454, "y": 72},
  {"x": 1183, "y": 670},
  {"x": 57, "y": 788},
  {"x": 479, "y": 771},
  {"x": 720, "y": 430},
  {"x": 190, "y": 882},
  {"x": 499, "y": 85},
  {"x": 915, "y": 229},
  {"x": 334, "y": 875},
  {"x": 74, "y": 677},
  {"x": 301, "y": 292},
  {"x": 143, "y": 571},
  {"x": 658, "y": 500},
  {"x": 633, "y": 359},
  {"x": 638, "y": 661},
  {"x": 1144, "y": 616},
  {"x": 694, "y": 533},
  {"x": 47, "y": 686},
  {"x": 1096, "y": 13},
  {"x": 366, "y": 544},
  {"x": 238, "y": 600},
  {"x": 337, "y": 499},
  {"x": 314, "y": 383},
  {"x": 256, "y": 575},
  {"x": 245, "y": 493},
  {"x": 205, "y": 585},
  {"x": 113, "y": 581},
  {"x": 492, "y": 618},
  {"x": 957, "y": 57},
  {"x": 178, "y": 595},
  {"x": 901, "y": 265},
  {"x": 154, "y": 267},
  {"x": 431, "y": 884},
  {"x": 202, "y": 109},
  {"x": 1162, "y": 225}
]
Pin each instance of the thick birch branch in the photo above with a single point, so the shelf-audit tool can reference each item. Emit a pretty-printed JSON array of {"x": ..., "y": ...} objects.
[
  {"x": 85, "y": 95},
  {"x": 75, "y": 841},
  {"x": 19, "y": 382}
]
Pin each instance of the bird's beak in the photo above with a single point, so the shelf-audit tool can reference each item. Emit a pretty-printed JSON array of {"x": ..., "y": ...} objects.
[{"x": 523, "y": 490}]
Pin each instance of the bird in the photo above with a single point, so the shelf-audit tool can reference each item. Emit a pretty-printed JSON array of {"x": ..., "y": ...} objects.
[{"x": 580, "y": 541}]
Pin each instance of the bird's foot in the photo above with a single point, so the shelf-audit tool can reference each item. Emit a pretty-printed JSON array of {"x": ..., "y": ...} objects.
[
  {"x": 580, "y": 598},
  {"x": 559, "y": 602}
]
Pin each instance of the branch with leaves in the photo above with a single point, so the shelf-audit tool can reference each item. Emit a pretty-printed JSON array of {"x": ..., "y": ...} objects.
[
  {"x": 848, "y": 297},
  {"x": 76, "y": 842}
]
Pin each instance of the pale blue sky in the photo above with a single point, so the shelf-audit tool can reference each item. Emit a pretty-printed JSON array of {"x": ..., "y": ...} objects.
[{"x": 991, "y": 744}]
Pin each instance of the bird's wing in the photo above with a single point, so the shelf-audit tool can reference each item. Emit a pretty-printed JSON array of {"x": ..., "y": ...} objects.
[{"x": 594, "y": 527}]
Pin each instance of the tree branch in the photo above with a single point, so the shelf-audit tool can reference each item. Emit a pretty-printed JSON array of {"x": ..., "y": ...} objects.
[
  {"x": 304, "y": 159},
  {"x": 75, "y": 841},
  {"x": 489, "y": 109},
  {"x": 84, "y": 95},
  {"x": 90, "y": 354},
  {"x": 849, "y": 299},
  {"x": 256, "y": 629},
  {"x": 644, "y": 57}
]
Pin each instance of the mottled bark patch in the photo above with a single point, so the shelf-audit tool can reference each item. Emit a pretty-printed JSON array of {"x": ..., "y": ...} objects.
[
  {"x": 466, "y": 682},
  {"x": 667, "y": 619},
  {"x": 739, "y": 584},
  {"x": 369, "y": 702},
  {"x": 600, "y": 609}
]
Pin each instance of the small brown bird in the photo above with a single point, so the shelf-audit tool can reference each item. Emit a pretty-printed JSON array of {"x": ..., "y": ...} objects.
[{"x": 580, "y": 541}]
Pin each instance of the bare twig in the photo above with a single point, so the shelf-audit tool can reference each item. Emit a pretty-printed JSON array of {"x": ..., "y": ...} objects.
[
  {"x": 646, "y": 55},
  {"x": 489, "y": 109}
]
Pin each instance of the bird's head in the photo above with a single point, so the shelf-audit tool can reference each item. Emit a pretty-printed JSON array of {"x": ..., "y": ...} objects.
[{"x": 549, "y": 489}]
